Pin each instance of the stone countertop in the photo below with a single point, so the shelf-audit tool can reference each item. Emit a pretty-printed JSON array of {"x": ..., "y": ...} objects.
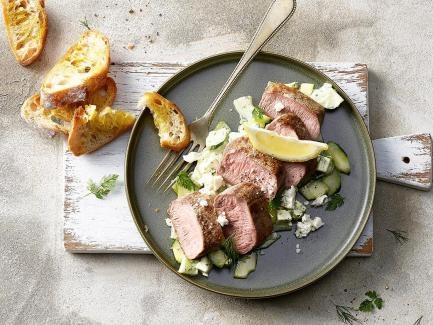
[{"x": 42, "y": 284}]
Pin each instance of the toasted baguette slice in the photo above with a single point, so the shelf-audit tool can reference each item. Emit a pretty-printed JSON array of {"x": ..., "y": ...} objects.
[
  {"x": 91, "y": 129},
  {"x": 82, "y": 70},
  {"x": 26, "y": 26},
  {"x": 58, "y": 119},
  {"x": 33, "y": 113},
  {"x": 169, "y": 120},
  {"x": 101, "y": 98}
]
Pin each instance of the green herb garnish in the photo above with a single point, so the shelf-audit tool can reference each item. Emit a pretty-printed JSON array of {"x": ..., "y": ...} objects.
[
  {"x": 185, "y": 181},
  {"x": 399, "y": 235},
  {"x": 85, "y": 23},
  {"x": 229, "y": 249},
  {"x": 345, "y": 314},
  {"x": 335, "y": 201},
  {"x": 258, "y": 113},
  {"x": 418, "y": 321},
  {"x": 105, "y": 186},
  {"x": 373, "y": 301}
]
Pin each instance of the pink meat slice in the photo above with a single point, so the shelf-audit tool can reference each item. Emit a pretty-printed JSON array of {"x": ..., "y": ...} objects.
[
  {"x": 290, "y": 125},
  {"x": 195, "y": 223},
  {"x": 242, "y": 163},
  {"x": 279, "y": 99},
  {"x": 246, "y": 208}
]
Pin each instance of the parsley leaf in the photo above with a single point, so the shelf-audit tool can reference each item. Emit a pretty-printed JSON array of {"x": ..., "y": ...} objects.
[
  {"x": 105, "y": 186},
  {"x": 335, "y": 201},
  {"x": 374, "y": 301},
  {"x": 344, "y": 313},
  {"x": 399, "y": 235},
  {"x": 185, "y": 181}
]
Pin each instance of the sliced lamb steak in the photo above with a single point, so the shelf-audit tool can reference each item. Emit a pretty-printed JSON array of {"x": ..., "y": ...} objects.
[
  {"x": 279, "y": 99},
  {"x": 195, "y": 220},
  {"x": 290, "y": 125},
  {"x": 241, "y": 163},
  {"x": 246, "y": 208}
]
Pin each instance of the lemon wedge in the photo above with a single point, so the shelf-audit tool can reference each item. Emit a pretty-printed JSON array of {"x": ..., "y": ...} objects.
[{"x": 282, "y": 147}]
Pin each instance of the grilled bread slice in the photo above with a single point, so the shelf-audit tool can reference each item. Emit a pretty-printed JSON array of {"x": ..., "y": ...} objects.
[
  {"x": 91, "y": 129},
  {"x": 169, "y": 120},
  {"x": 58, "y": 119},
  {"x": 26, "y": 26},
  {"x": 82, "y": 70}
]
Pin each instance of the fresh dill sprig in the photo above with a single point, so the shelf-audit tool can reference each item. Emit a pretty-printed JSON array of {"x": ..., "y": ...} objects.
[
  {"x": 229, "y": 249},
  {"x": 104, "y": 187},
  {"x": 418, "y": 321},
  {"x": 335, "y": 201},
  {"x": 373, "y": 301},
  {"x": 399, "y": 235},
  {"x": 85, "y": 23},
  {"x": 345, "y": 315}
]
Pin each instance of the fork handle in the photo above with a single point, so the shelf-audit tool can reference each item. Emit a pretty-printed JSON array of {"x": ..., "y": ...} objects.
[{"x": 278, "y": 13}]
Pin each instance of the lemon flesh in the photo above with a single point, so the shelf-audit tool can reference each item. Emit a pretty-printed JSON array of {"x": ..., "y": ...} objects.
[{"x": 283, "y": 148}]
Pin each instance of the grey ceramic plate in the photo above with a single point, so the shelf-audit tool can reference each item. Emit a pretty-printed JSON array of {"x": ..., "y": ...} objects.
[{"x": 279, "y": 270}]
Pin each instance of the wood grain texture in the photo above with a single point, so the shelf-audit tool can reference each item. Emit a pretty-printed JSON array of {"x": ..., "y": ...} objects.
[
  {"x": 405, "y": 160},
  {"x": 106, "y": 226}
]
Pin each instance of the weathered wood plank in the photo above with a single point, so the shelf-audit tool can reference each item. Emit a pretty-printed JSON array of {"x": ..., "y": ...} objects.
[
  {"x": 94, "y": 226},
  {"x": 405, "y": 160}
]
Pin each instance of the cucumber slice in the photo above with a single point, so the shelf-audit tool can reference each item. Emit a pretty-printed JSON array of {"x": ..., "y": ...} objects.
[
  {"x": 282, "y": 227},
  {"x": 333, "y": 181},
  {"x": 218, "y": 258},
  {"x": 270, "y": 240},
  {"x": 187, "y": 267},
  {"x": 339, "y": 157},
  {"x": 306, "y": 88},
  {"x": 324, "y": 164},
  {"x": 245, "y": 266},
  {"x": 313, "y": 189},
  {"x": 204, "y": 265},
  {"x": 177, "y": 251}
]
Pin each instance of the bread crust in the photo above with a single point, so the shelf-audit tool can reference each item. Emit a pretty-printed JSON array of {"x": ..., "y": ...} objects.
[
  {"x": 73, "y": 59},
  {"x": 13, "y": 11}
]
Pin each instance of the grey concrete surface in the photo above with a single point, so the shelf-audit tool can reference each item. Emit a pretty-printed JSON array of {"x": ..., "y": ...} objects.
[{"x": 42, "y": 284}]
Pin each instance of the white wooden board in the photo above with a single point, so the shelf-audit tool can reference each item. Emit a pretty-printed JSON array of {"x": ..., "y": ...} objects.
[{"x": 106, "y": 226}]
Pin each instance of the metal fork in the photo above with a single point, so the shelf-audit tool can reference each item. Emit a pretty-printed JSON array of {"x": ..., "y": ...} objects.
[{"x": 278, "y": 13}]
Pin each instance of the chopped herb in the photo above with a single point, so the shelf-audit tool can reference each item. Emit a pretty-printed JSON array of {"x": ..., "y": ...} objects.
[
  {"x": 373, "y": 301},
  {"x": 85, "y": 23},
  {"x": 335, "y": 201},
  {"x": 105, "y": 186},
  {"x": 277, "y": 201},
  {"x": 418, "y": 321},
  {"x": 399, "y": 235},
  {"x": 345, "y": 314},
  {"x": 186, "y": 182},
  {"x": 258, "y": 113},
  {"x": 229, "y": 249}
]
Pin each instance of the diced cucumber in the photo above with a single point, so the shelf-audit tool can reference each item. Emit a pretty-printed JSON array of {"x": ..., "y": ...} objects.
[
  {"x": 339, "y": 157},
  {"x": 260, "y": 118},
  {"x": 283, "y": 216},
  {"x": 218, "y": 136},
  {"x": 313, "y": 189},
  {"x": 187, "y": 267},
  {"x": 245, "y": 266},
  {"x": 270, "y": 240},
  {"x": 218, "y": 258},
  {"x": 177, "y": 251},
  {"x": 306, "y": 89},
  {"x": 204, "y": 265},
  {"x": 221, "y": 125},
  {"x": 324, "y": 164},
  {"x": 327, "y": 96},
  {"x": 333, "y": 181},
  {"x": 298, "y": 211},
  {"x": 287, "y": 226}
]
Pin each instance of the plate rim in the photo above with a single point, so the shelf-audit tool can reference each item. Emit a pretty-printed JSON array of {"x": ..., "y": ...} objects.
[{"x": 281, "y": 289}]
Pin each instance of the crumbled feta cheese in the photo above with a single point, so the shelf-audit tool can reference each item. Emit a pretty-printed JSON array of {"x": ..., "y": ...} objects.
[
  {"x": 298, "y": 249},
  {"x": 222, "y": 220},
  {"x": 192, "y": 156},
  {"x": 321, "y": 200},
  {"x": 327, "y": 96},
  {"x": 306, "y": 203},
  {"x": 288, "y": 198},
  {"x": 283, "y": 215},
  {"x": 308, "y": 225},
  {"x": 216, "y": 137},
  {"x": 211, "y": 183},
  {"x": 279, "y": 106},
  {"x": 173, "y": 234},
  {"x": 203, "y": 202},
  {"x": 168, "y": 222}
]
